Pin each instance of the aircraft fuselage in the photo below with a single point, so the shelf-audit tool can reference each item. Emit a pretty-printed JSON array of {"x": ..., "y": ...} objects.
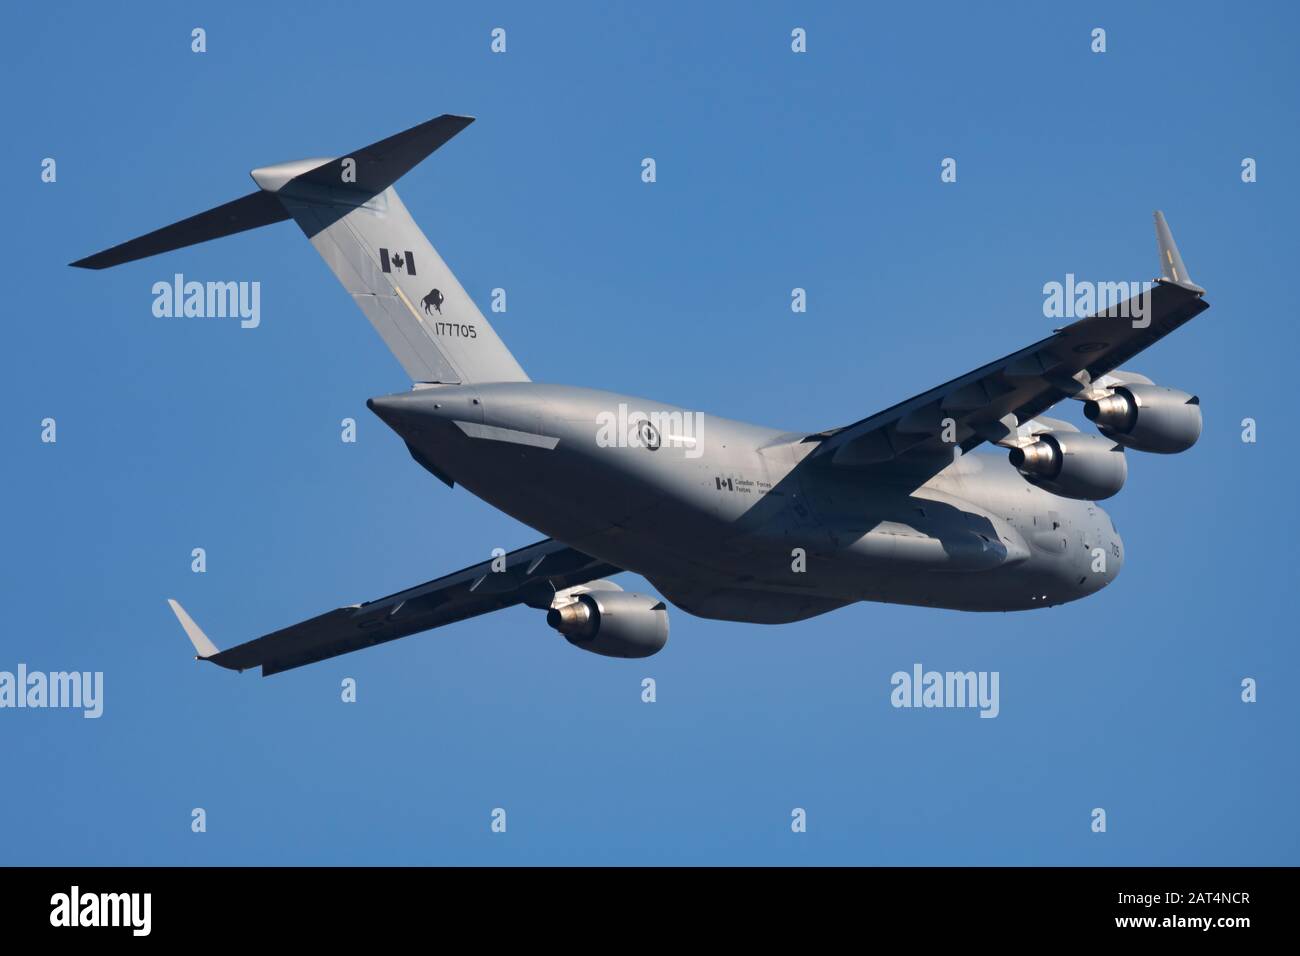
[{"x": 731, "y": 520}]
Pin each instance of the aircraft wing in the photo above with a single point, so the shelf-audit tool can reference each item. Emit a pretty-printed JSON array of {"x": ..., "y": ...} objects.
[
  {"x": 531, "y": 576},
  {"x": 998, "y": 402}
]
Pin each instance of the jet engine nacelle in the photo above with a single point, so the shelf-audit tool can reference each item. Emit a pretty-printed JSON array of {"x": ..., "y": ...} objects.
[
  {"x": 1073, "y": 465},
  {"x": 613, "y": 623},
  {"x": 1148, "y": 418}
]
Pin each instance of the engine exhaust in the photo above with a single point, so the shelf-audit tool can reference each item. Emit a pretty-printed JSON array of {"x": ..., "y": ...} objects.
[{"x": 578, "y": 619}]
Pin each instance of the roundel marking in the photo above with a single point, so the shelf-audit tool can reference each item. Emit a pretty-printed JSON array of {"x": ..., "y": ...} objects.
[{"x": 649, "y": 435}]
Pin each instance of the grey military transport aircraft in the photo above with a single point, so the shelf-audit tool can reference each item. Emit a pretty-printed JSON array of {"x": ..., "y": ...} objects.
[{"x": 727, "y": 520}]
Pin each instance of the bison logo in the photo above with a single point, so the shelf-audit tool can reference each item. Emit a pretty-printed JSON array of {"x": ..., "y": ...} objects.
[{"x": 432, "y": 300}]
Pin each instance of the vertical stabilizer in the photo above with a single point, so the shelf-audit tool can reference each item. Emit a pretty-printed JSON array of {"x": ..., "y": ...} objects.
[{"x": 352, "y": 215}]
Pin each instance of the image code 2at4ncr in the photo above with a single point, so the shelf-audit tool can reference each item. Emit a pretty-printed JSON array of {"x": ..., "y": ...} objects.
[{"x": 1185, "y": 898}]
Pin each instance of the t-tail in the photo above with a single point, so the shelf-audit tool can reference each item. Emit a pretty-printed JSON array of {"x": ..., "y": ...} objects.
[{"x": 349, "y": 210}]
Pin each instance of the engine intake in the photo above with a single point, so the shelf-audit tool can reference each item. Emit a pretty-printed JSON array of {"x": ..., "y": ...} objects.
[
  {"x": 613, "y": 623},
  {"x": 1148, "y": 418},
  {"x": 1073, "y": 465}
]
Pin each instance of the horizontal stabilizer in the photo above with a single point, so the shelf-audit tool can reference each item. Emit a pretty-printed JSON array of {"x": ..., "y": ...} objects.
[
  {"x": 240, "y": 215},
  {"x": 373, "y": 168},
  {"x": 377, "y": 167}
]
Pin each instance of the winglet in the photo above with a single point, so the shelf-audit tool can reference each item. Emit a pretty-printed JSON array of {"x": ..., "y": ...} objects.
[
  {"x": 202, "y": 645},
  {"x": 1171, "y": 262}
]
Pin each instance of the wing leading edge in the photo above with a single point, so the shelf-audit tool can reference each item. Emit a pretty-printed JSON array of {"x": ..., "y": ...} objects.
[
  {"x": 531, "y": 576},
  {"x": 997, "y": 401}
]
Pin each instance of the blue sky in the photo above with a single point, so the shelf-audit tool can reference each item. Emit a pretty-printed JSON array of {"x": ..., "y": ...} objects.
[{"x": 775, "y": 170}]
